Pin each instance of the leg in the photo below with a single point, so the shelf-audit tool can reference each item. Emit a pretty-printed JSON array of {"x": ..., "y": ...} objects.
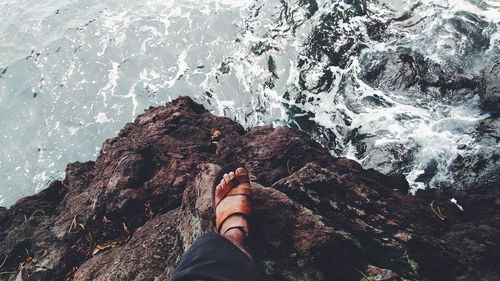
[
  {"x": 212, "y": 258},
  {"x": 224, "y": 256}
]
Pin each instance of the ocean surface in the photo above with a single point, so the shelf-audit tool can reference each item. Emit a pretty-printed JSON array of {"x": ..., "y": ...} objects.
[{"x": 72, "y": 73}]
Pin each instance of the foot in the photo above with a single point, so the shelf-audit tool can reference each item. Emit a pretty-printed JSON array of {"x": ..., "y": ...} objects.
[{"x": 235, "y": 226}]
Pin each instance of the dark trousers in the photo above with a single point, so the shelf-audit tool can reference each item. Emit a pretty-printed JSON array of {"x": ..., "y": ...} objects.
[{"x": 214, "y": 258}]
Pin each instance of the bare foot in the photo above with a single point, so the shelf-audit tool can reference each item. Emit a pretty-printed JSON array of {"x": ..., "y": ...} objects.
[{"x": 233, "y": 207}]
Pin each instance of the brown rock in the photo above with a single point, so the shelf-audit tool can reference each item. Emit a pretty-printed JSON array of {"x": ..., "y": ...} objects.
[{"x": 132, "y": 213}]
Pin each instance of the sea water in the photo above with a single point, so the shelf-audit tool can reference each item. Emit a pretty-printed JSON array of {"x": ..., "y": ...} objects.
[{"x": 72, "y": 73}]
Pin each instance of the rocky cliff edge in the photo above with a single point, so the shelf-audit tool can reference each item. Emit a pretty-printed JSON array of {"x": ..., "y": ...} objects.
[{"x": 132, "y": 213}]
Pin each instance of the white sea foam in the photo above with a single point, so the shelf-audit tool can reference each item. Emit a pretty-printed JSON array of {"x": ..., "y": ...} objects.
[{"x": 453, "y": 200}]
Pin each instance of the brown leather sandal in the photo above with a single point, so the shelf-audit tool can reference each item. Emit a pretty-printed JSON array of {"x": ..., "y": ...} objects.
[{"x": 239, "y": 204}]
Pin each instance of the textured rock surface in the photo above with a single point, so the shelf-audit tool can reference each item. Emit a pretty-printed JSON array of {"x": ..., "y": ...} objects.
[{"x": 132, "y": 213}]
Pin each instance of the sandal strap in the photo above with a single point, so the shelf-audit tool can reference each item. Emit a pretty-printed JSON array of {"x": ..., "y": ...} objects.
[
  {"x": 240, "y": 189},
  {"x": 240, "y": 228},
  {"x": 243, "y": 187},
  {"x": 240, "y": 209}
]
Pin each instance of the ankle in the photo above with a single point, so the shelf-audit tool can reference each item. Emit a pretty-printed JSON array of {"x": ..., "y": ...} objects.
[
  {"x": 238, "y": 238},
  {"x": 235, "y": 235}
]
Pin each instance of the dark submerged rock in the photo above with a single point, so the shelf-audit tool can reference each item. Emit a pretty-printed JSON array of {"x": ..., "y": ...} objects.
[
  {"x": 329, "y": 41},
  {"x": 490, "y": 97},
  {"x": 132, "y": 213},
  {"x": 408, "y": 73},
  {"x": 480, "y": 169}
]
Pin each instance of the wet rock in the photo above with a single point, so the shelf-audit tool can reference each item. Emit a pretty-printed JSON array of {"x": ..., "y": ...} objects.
[
  {"x": 480, "y": 168},
  {"x": 387, "y": 159},
  {"x": 490, "y": 97},
  {"x": 390, "y": 159},
  {"x": 408, "y": 73},
  {"x": 132, "y": 213},
  {"x": 468, "y": 24},
  {"x": 333, "y": 41},
  {"x": 429, "y": 172},
  {"x": 377, "y": 273}
]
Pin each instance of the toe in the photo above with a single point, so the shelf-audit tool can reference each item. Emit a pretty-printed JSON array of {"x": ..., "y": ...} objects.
[
  {"x": 226, "y": 177},
  {"x": 219, "y": 194},
  {"x": 220, "y": 191},
  {"x": 229, "y": 182},
  {"x": 226, "y": 183},
  {"x": 242, "y": 175}
]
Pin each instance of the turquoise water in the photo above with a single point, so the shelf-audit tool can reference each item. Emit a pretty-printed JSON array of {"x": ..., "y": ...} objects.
[{"x": 72, "y": 73}]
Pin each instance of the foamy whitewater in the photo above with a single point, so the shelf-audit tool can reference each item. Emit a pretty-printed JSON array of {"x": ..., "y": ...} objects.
[{"x": 72, "y": 73}]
